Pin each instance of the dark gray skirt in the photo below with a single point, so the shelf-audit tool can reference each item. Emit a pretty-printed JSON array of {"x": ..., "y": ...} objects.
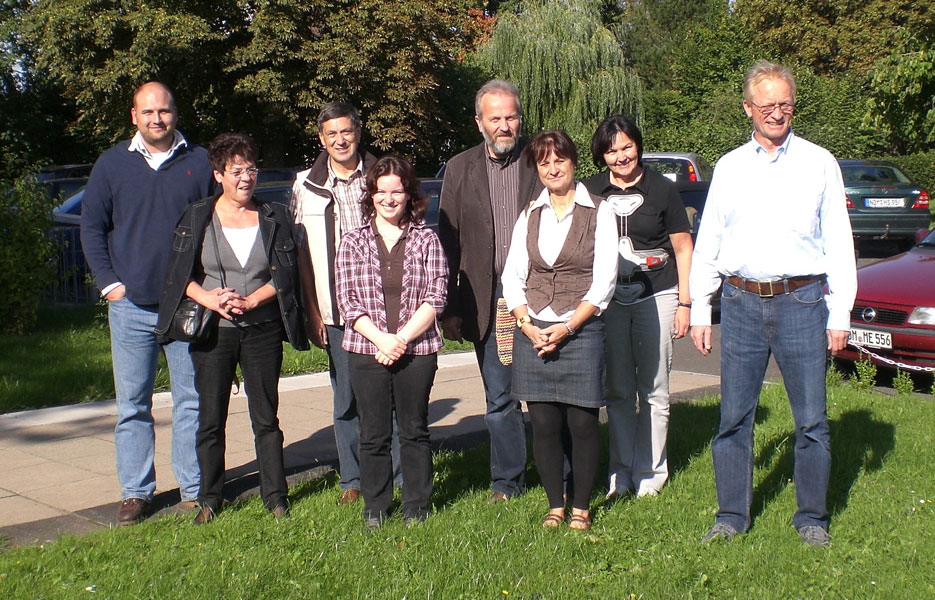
[{"x": 572, "y": 374}]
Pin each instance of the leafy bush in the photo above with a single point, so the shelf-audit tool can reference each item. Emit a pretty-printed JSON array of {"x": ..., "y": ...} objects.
[
  {"x": 903, "y": 382},
  {"x": 26, "y": 252},
  {"x": 919, "y": 167},
  {"x": 866, "y": 373}
]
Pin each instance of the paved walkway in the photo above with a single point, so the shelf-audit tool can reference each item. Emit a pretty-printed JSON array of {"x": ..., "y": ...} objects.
[{"x": 58, "y": 471}]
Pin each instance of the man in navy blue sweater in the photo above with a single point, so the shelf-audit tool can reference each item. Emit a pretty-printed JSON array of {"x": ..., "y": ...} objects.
[{"x": 133, "y": 200}]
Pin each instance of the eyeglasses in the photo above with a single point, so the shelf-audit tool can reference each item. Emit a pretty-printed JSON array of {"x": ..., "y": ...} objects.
[
  {"x": 398, "y": 195},
  {"x": 786, "y": 108},
  {"x": 240, "y": 173}
]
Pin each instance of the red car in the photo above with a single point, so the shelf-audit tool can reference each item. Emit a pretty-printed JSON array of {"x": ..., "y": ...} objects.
[{"x": 894, "y": 314}]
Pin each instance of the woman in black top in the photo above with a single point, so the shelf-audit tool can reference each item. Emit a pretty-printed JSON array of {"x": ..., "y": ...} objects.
[
  {"x": 237, "y": 257},
  {"x": 650, "y": 305}
]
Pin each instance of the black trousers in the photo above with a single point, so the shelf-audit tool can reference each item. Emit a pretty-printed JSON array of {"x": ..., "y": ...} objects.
[
  {"x": 552, "y": 425},
  {"x": 404, "y": 385},
  {"x": 258, "y": 350}
]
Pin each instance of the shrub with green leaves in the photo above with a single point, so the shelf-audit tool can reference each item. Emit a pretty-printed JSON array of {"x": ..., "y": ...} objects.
[
  {"x": 903, "y": 383},
  {"x": 27, "y": 252},
  {"x": 866, "y": 373}
]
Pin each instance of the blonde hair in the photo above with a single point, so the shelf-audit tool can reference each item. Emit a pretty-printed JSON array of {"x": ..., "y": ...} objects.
[{"x": 764, "y": 69}]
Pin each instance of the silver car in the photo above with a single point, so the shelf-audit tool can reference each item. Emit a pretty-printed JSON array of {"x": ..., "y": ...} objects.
[{"x": 678, "y": 166}]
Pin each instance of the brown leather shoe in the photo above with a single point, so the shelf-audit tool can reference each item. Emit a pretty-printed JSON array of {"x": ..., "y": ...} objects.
[
  {"x": 349, "y": 496},
  {"x": 281, "y": 511},
  {"x": 205, "y": 515},
  {"x": 189, "y": 504},
  {"x": 133, "y": 510}
]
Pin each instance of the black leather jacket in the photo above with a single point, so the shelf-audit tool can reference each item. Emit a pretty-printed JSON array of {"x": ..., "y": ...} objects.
[{"x": 276, "y": 231}]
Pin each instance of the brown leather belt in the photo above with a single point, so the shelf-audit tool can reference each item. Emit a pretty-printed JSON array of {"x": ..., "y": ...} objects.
[{"x": 768, "y": 289}]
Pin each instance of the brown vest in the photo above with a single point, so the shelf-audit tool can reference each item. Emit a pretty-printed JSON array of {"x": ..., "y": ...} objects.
[{"x": 564, "y": 284}]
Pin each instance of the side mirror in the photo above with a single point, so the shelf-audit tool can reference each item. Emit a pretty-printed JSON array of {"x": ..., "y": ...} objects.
[{"x": 920, "y": 235}]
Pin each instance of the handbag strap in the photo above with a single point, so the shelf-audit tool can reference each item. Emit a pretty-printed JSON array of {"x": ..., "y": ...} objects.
[{"x": 217, "y": 254}]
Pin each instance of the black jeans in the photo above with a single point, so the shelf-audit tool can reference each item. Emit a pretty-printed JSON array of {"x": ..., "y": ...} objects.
[
  {"x": 406, "y": 385},
  {"x": 258, "y": 350}
]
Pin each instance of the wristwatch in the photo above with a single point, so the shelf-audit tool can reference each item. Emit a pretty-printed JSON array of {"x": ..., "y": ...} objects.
[{"x": 523, "y": 320}]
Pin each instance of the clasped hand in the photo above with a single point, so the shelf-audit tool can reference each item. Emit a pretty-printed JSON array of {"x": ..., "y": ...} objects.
[
  {"x": 390, "y": 348},
  {"x": 226, "y": 302},
  {"x": 546, "y": 340}
]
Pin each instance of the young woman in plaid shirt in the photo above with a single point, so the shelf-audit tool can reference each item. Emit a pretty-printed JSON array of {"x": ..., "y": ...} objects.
[{"x": 391, "y": 280}]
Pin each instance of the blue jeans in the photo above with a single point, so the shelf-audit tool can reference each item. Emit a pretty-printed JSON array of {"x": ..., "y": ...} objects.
[
  {"x": 346, "y": 419},
  {"x": 504, "y": 419},
  {"x": 792, "y": 327},
  {"x": 134, "y": 351}
]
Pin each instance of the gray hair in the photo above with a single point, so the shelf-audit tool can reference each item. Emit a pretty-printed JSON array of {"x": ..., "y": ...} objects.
[
  {"x": 498, "y": 86},
  {"x": 764, "y": 69}
]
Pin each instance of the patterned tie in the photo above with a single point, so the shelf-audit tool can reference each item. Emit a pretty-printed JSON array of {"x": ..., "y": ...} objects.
[{"x": 503, "y": 329}]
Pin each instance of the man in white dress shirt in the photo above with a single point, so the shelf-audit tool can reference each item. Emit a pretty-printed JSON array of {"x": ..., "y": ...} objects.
[{"x": 775, "y": 230}]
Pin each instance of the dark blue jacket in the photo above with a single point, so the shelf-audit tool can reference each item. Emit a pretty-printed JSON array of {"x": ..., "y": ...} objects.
[
  {"x": 129, "y": 212},
  {"x": 276, "y": 233}
]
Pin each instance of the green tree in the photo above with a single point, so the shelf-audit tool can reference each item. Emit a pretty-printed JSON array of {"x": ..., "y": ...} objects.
[
  {"x": 26, "y": 251},
  {"x": 568, "y": 67},
  {"x": 832, "y": 36},
  {"x": 34, "y": 117},
  {"x": 265, "y": 67},
  {"x": 699, "y": 110},
  {"x": 99, "y": 51},
  {"x": 398, "y": 62},
  {"x": 902, "y": 95}
]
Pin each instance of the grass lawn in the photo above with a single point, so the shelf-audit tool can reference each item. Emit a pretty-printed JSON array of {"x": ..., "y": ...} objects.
[
  {"x": 882, "y": 522},
  {"x": 66, "y": 360}
]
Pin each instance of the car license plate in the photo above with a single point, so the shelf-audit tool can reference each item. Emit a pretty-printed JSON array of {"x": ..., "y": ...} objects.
[
  {"x": 873, "y": 339},
  {"x": 886, "y": 202}
]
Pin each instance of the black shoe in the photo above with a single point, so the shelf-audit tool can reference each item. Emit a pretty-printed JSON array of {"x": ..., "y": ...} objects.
[
  {"x": 281, "y": 511},
  {"x": 414, "y": 520}
]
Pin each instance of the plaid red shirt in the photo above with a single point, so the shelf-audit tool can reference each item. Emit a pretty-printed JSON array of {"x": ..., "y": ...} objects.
[{"x": 359, "y": 286}]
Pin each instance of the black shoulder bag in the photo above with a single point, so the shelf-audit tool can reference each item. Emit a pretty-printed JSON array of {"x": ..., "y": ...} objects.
[{"x": 192, "y": 322}]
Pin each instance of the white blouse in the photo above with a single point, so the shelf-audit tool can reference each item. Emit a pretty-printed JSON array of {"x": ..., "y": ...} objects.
[{"x": 552, "y": 234}]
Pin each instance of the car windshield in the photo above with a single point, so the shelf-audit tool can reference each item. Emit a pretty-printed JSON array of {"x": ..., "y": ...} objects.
[{"x": 871, "y": 174}]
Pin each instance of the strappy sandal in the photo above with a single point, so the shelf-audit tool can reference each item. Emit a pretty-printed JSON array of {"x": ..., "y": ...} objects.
[
  {"x": 553, "y": 521},
  {"x": 580, "y": 522}
]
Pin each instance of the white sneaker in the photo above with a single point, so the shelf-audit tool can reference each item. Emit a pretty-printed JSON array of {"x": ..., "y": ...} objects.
[{"x": 647, "y": 492}]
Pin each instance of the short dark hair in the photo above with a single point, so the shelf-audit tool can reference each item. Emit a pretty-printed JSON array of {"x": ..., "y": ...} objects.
[
  {"x": 228, "y": 146},
  {"x": 399, "y": 166},
  {"x": 607, "y": 132},
  {"x": 551, "y": 141},
  {"x": 336, "y": 110}
]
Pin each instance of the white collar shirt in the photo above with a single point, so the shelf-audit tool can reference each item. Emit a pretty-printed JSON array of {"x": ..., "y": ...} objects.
[
  {"x": 552, "y": 234},
  {"x": 155, "y": 159},
  {"x": 770, "y": 217}
]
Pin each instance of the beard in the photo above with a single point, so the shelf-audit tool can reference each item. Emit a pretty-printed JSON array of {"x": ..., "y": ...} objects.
[{"x": 502, "y": 145}]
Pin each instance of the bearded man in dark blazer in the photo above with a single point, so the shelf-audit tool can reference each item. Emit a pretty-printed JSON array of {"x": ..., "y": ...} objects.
[{"x": 483, "y": 192}]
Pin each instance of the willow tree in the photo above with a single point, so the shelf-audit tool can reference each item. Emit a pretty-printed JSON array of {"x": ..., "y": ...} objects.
[{"x": 569, "y": 68}]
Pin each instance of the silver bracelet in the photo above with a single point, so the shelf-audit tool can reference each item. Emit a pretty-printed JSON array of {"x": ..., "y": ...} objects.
[{"x": 568, "y": 327}]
